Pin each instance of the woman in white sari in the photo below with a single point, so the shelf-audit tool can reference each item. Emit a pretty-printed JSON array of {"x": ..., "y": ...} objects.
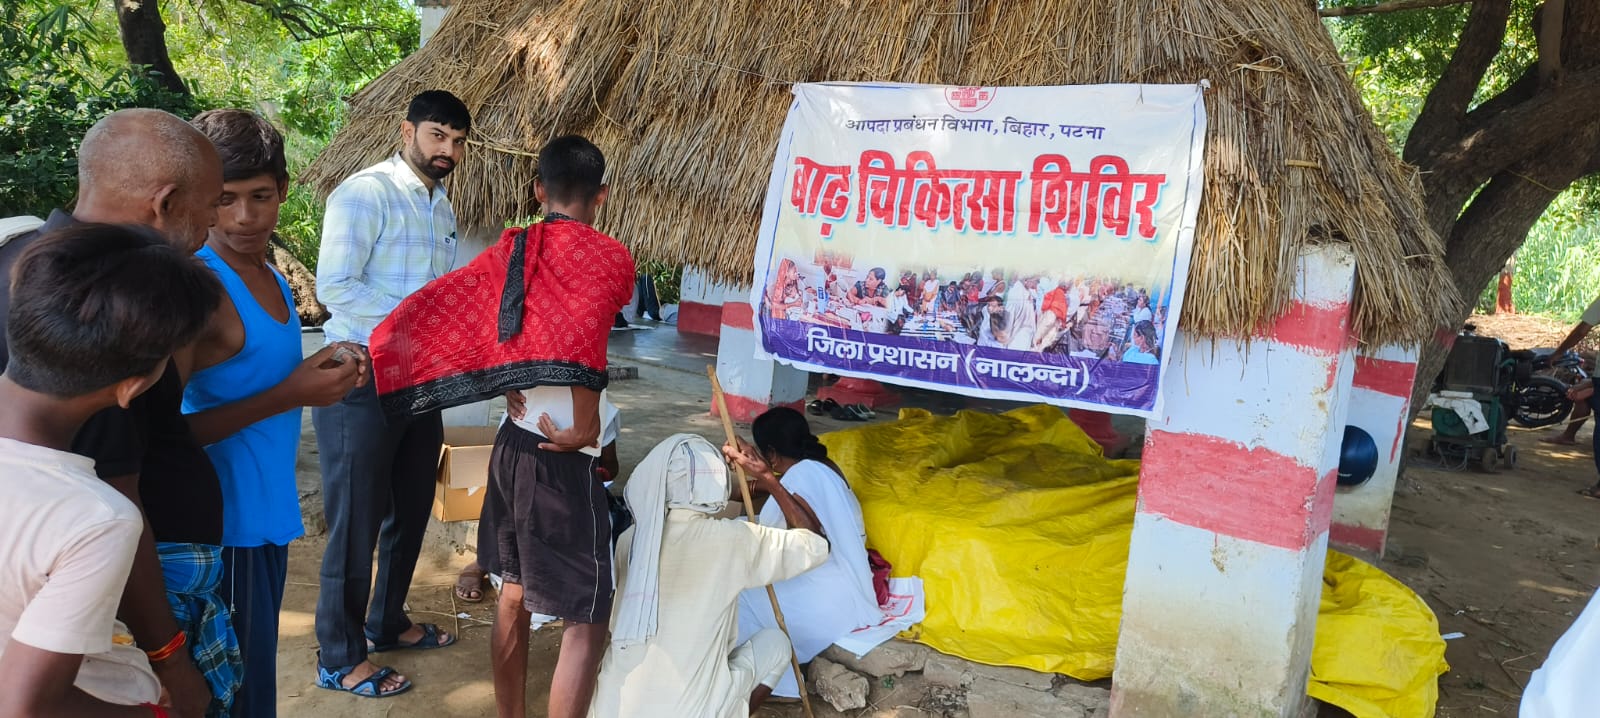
[{"x": 836, "y": 598}]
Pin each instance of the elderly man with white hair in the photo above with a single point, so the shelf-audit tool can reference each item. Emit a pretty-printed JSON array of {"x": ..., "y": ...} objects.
[{"x": 679, "y": 574}]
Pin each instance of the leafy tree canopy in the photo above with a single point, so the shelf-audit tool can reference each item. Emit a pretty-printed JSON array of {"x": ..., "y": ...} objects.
[
  {"x": 62, "y": 67},
  {"x": 1396, "y": 57}
]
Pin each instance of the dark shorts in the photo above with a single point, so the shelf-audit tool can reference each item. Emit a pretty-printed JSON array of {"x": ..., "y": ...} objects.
[{"x": 552, "y": 527}]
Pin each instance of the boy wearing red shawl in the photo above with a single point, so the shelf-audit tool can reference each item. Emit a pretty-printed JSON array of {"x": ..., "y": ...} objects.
[{"x": 531, "y": 313}]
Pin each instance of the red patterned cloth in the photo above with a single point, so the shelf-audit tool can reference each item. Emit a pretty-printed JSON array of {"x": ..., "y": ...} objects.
[{"x": 533, "y": 310}]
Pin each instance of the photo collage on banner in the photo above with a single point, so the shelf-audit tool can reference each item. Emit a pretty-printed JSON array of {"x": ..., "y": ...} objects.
[{"x": 1024, "y": 243}]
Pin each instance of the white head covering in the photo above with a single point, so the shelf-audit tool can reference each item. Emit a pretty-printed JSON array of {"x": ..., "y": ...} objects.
[{"x": 683, "y": 472}]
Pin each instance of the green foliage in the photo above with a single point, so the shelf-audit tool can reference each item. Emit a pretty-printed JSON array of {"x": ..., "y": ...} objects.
[
  {"x": 300, "y": 225},
  {"x": 1394, "y": 105},
  {"x": 328, "y": 70},
  {"x": 51, "y": 92},
  {"x": 294, "y": 62},
  {"x": 1558, "y": 268},
  {"x": 668, "y": 279},
  {"x": 1413, "y": 46},
  {"x": 62, "y": 68},
  {"x": 1396, "y": 57}
]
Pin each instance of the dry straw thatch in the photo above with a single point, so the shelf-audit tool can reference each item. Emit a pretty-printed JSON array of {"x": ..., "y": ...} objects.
[{"x": 687, "y": 99}]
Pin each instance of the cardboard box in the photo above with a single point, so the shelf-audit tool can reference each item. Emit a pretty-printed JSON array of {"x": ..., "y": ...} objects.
[{"x": 463, "y": 472}]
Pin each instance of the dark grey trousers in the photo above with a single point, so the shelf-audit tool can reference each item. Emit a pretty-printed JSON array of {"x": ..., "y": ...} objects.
[{"x": 377, "y": 488}]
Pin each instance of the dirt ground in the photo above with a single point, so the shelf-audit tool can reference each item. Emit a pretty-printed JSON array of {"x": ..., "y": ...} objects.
[
  {"x": 1527, "y": 331},
  {"x": 1507, "y": 558}
]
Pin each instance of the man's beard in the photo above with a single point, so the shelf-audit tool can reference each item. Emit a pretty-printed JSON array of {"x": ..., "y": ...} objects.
[{"x": 426, "y": 164}]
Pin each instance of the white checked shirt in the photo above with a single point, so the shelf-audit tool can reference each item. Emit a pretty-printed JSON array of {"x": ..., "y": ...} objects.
[{"x": 383, "y": 237}]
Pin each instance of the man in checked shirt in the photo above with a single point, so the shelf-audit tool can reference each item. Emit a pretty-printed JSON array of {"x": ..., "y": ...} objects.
[{"x": 389, "y": 229}]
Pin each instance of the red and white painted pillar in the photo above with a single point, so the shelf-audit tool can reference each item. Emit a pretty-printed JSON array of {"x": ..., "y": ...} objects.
[
  {"x": 751, "y": 385},
  {"x": 1380, "y": 404},
  {"x": 700, "y": 303},
  {"x": 1235, "y": 498}
]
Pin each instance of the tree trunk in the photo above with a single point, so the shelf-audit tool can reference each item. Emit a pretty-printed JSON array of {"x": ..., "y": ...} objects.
[
  {"x": 302, "y": 284},
  {"x": 144, "y": 39},
  {"x": 1490, "y": 171},
  {"x": 1494, "y": 226}
]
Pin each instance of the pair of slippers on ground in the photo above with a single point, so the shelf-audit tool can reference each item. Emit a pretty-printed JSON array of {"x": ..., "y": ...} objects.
[
  {"x": 372, "y": 686},
  {"x": 842, "y": 412},
  {"x": 467, "y": 589}
]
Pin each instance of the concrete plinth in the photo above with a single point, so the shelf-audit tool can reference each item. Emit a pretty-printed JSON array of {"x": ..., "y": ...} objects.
[
  {"x": 751, "y": 385},
  {"x": 1380, "y": 404},
  {"x": 700, "y": 303},
  {"x": 1235, "y": 499}
]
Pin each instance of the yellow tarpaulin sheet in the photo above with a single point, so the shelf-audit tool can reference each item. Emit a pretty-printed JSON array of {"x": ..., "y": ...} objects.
[{"x": 1019, "y": 529}]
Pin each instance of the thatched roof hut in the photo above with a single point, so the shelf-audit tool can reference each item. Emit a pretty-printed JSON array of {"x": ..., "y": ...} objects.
[{"x": 687, "y": 99}]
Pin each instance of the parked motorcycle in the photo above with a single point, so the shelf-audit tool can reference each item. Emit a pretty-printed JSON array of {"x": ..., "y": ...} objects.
[{"x": 1542, "y": 381}]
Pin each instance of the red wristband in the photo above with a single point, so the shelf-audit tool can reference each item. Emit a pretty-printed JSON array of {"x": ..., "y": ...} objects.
[
  {"x": 167, "y": 651},
  {"x": 158, "y": 711}
]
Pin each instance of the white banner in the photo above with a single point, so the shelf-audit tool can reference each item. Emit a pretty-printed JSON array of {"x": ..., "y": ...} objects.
[{"x": 1024, "y": 243}]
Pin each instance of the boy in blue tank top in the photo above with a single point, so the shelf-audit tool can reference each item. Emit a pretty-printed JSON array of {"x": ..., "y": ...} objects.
[{"x": 247, "y": 391}]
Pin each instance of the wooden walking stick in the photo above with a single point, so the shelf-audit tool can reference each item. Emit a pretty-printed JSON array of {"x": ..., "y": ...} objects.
[{"x": 721, "y": 404}]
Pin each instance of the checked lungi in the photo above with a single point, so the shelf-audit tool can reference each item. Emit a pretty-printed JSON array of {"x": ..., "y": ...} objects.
[{"x": 193, "y": 575}]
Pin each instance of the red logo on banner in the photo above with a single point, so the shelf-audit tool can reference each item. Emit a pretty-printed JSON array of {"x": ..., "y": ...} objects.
[{"x": 969, "y": 99}]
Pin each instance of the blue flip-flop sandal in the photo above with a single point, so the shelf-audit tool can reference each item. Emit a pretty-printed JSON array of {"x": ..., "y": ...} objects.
[
  {"x": 428, "y": 641},
  {"x": 369, "y": 687}
]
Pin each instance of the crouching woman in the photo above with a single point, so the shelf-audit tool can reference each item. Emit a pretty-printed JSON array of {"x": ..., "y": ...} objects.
[{"x": 827, "y": 603}]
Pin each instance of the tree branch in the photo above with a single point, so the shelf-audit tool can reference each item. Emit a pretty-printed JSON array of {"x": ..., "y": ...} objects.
[
  {"x": 308, "y": 23},
  {"x": 1550, "y": 16},
  {"x": 1438, "y": 125},
  {"x": 1490, "y": 144},
  {"x": 1498, "y": 140},
  {"x": 1580, "y": 35},
  {"x": 1593, "y": 166},
  {"x": 1518, "y": 92},
  {"x": 1383, "y": 7},
  {"x": 1488, "y": 154},
  {"x": 1581, "y": 30},
  {"x": 1499, "y": 217}
]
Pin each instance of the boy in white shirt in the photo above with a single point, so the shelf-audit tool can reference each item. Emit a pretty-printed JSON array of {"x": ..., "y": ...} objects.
[{"x": 96, "y": 312}]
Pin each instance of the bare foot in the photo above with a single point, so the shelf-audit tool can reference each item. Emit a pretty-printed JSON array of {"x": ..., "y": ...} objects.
[
  {"x": 391, "y": 683},
  {"x": 469, "y": 583},
  {"x": 1559, "y": 440}
]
